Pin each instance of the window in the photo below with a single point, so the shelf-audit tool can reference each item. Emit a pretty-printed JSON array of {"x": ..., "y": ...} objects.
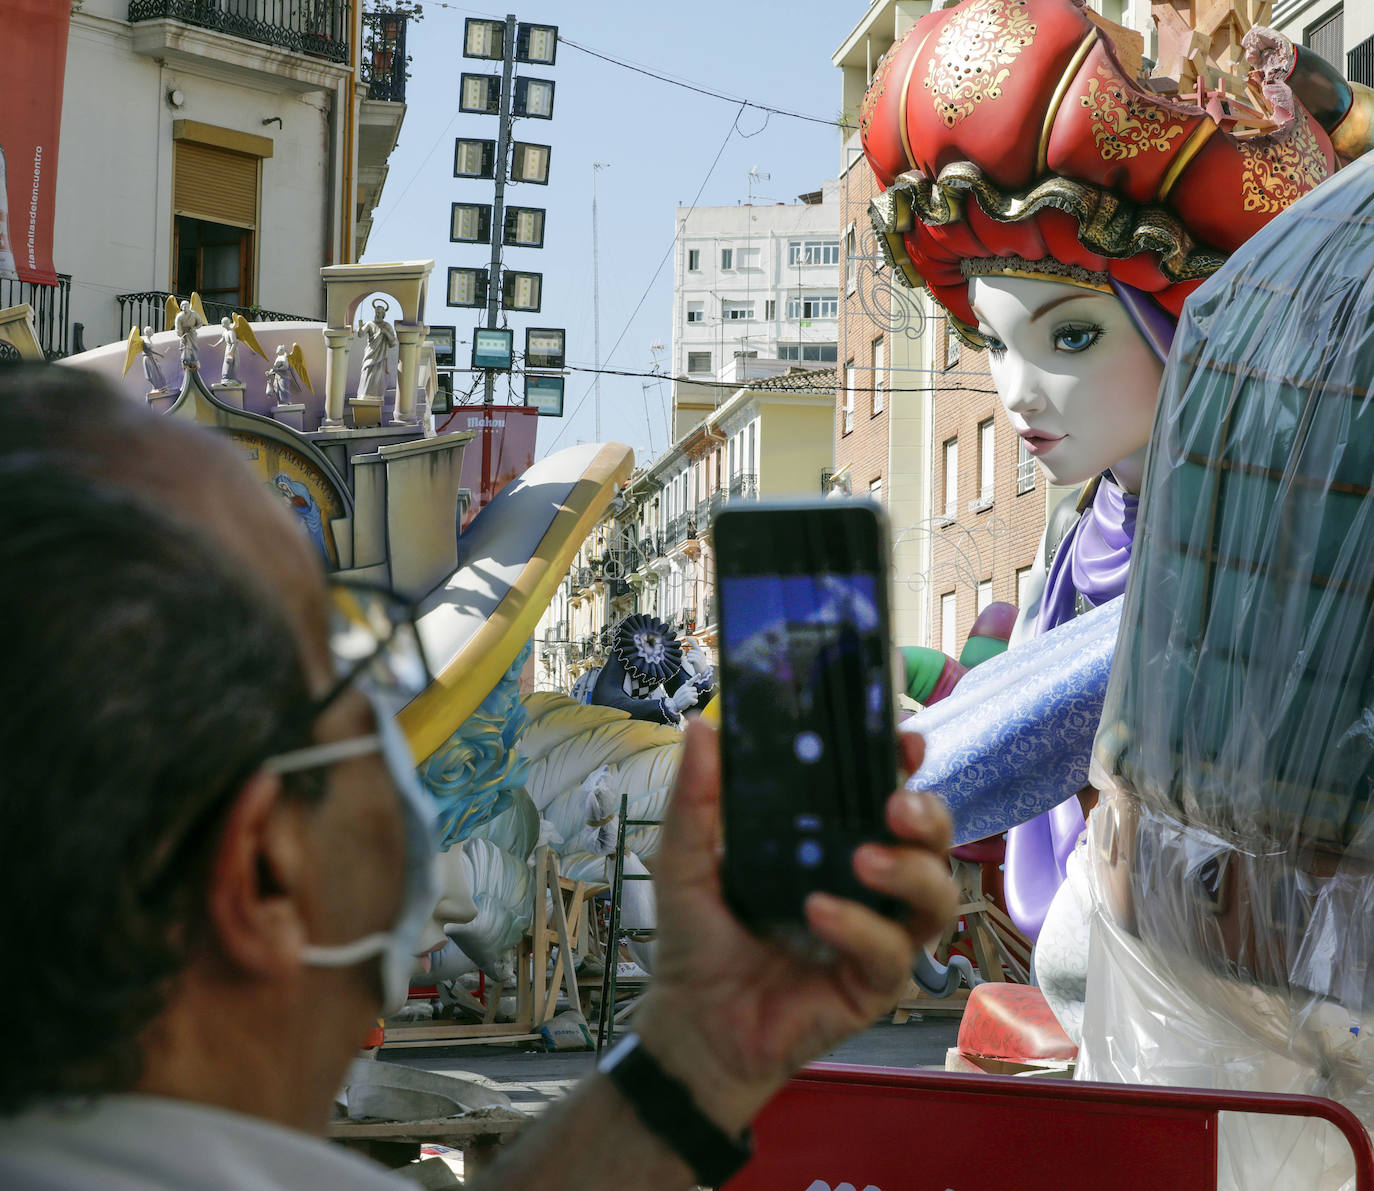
[
  {"x": 875, "y": 490},
  {"x": 814, "y": 353},
  {"x": 734, "y": 311},
  {"x": 748, "y": 258},
  {"x": 947, "y": 615},
  {"x": 952, "y": 477},
  {"x": 1327, "y": 38},
  {"x": 814, "y": 306},
  {"x": 727, "y": 258},
  {"x": 986, "y": 460},
  {"x": 1023, "y": 582},
  {"x": 951, "y": 347},
  {"x": 694, "y": 259},
  {"x": 851, "y": 260},
  {"x": 1025, "y": 467},
  {"x": 879, "y": 375},
  {"x": 696, "y": 312},
  {"x": 770, "y": 310},
  {"x": 984, "y": 595},
  {"x": 848, "y": 396},
  {"x": 215, "y": 210},
  {"x": 698, "y": 361},
  {"x": 813, "y": 252}
]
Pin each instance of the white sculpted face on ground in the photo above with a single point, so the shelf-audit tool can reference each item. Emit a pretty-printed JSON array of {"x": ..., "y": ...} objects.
[{"x": 1078, "y": 382}]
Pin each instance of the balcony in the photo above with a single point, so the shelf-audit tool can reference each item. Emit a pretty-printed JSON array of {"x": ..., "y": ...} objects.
[
  {"x": 383, "y": 63},
  {"x": 293, "y": 45},
  {"x": 744, "y": 487},
  {"x": 149, "y": 309},
  {"x": 317, "y": 27},
  {"x": 51, "y": 310},
  {"x": 384, "y": 67}
]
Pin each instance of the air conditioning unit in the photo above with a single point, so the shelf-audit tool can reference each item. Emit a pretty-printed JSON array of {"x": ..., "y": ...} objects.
[
  {"x": 943, "y": 520},
  {"x": 977, "y": 506}
]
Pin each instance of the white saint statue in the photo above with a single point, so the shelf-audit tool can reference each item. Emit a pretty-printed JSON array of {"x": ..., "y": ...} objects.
[{"x": 378, "y": 339}]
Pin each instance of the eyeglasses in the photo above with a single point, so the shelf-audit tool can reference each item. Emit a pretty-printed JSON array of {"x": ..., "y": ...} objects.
[{"x": 375, "y": 645}]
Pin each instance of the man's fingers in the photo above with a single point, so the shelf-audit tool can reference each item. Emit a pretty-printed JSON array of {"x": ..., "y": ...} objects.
[
  {"x": 912, "y": 746},
  {"x": 918, "y": 878},
  {"x": 920, "y": 818},
  {"x": 875, "y": 948},
  {"x": 691, "y": 825}
]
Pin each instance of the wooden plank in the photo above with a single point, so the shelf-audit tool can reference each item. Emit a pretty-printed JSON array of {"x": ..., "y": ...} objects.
[
  {"x": 539, "y": 934},
  {"x": 489, "y": 1122}
]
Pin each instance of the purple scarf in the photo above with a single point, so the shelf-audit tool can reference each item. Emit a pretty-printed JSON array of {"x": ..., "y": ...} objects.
[{"x": 1093, "y": 558}]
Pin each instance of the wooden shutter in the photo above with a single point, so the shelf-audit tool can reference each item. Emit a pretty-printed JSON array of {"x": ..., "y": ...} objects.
[{"x": 215, "y": 184}]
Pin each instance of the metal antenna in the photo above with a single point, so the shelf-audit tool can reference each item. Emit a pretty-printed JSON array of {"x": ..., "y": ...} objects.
[{"x": 597, "y": 167}]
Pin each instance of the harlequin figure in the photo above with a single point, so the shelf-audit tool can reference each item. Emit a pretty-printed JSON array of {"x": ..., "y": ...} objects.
[
  {"x": 650, "y": 674},
  {"x": 1061, "y": 213}
]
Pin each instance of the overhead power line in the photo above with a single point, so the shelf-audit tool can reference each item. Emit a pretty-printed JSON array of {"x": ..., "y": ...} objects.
[{"x": 664, "y": 78}]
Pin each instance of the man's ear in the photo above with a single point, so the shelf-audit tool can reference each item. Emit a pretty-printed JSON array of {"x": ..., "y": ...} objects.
[{"x": 259, "y": 880}]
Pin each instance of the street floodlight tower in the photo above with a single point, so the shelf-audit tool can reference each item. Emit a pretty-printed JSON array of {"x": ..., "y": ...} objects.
[{"x": 506, "y": 97}]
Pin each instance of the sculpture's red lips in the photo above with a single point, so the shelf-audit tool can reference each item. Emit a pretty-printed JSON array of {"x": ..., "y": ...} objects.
[{"x": 1038, "y": 442}]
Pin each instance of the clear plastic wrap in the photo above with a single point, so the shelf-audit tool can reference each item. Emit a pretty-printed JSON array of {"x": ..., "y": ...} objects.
[{"x": 1232, "y": 856}]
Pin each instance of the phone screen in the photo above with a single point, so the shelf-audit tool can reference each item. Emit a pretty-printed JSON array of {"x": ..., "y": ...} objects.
[{"x": 808, "y": 754}]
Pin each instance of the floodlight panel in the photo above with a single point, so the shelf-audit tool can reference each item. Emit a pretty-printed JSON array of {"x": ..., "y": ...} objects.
[
  {"x": 445, "y": 341},
  {"x": 534, "y": 97},
  {"x": 479, "y": 94},
  {"x": 470, "y": 223},
  {"x": 544, "y": 393},
  {"x": 522, "y": 291},
  {"x": 530, "y": 163},
  {"x": 525, "y": 227},
  {"x": 493, "y": 348},
  {"x": 536, "y": 44},
  {"x": 467, "y": 287},
  {"x": 484, "y": 39},
  {"x": 474, "y": 159},
  {"x": 545, "y": 347}
]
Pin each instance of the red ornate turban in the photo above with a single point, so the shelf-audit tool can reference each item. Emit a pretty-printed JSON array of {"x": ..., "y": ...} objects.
[{"x": 1008, "y": 138}]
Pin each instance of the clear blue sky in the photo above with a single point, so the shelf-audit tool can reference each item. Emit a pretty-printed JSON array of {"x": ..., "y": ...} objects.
[{"x": 659, "y": 140}]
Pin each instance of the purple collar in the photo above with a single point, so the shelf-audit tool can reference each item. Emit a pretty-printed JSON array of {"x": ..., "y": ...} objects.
[{"x": 1094, "y": 557}]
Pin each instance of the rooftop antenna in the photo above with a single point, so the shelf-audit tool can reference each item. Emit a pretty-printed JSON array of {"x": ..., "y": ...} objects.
[{"x": 597, "y": 167}]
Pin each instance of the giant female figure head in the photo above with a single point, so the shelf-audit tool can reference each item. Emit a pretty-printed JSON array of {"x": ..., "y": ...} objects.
[{"x": 1061, "y": 211}]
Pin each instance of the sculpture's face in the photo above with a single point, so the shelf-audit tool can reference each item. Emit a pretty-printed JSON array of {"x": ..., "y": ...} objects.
[{"x": 1078, "y": 382}]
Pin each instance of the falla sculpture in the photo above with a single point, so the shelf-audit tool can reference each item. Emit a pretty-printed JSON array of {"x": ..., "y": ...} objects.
[{"x": 1061, "y": 211}]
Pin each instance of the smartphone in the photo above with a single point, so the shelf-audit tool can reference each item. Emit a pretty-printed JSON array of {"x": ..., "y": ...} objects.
[{"x": 808, "y": 733}]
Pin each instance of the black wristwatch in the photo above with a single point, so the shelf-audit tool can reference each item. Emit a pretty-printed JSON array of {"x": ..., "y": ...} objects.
[{"x": 667, "y": 1110}]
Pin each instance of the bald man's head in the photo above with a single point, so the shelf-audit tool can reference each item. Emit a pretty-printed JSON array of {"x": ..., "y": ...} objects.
[{"x": 165, "y": 634}]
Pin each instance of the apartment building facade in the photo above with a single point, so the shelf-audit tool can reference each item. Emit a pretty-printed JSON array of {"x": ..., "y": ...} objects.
[
  {"x": 227, "y": 149},
  {"x": 755, "y": 293}
]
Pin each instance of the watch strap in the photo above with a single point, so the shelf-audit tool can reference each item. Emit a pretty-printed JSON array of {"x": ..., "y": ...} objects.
[{"x": 666, "y": 1108}]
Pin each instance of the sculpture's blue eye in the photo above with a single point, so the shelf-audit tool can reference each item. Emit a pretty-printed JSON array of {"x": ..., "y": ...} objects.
[{"x": 1076, "y": 338}]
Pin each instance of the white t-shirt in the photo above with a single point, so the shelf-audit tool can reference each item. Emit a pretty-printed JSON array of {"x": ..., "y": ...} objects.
[{"x": 148, "y": 1143}]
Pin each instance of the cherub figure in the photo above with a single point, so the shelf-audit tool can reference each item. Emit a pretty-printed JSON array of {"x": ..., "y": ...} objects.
[
  {"x": 140, "y": 346},
  {"x": 379, "y": 337},
  {"x": 1270, "y": 55},
  {"x": 233, "y": 330},
  {"x": 186, "y": 324},
  {"x": 286, "y": 374}
]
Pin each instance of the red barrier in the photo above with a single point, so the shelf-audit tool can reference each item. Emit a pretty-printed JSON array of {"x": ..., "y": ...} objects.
[{"x": 883, "y": 1129}]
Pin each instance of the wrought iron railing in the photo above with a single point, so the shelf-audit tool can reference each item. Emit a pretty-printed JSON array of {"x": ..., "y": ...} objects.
[
  {"x": 149, "y": 309},
  {"x": 51, "y": 310},
  {"x": 317, "y": 27},
  {"x": 744, "y": 487},
  {"x": 1360, "y": 63},
  {"x": 383, "y": 60}
]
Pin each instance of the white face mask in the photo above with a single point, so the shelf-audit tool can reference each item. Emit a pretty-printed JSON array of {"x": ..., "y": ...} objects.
[
  {"x": 1078, "y": 381},
  {"x": 397, "y": 946}
]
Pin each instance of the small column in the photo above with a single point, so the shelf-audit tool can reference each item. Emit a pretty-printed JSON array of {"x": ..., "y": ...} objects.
[
  {"x": 335, "y": 377},
  {"x": 408, "y": 336}
]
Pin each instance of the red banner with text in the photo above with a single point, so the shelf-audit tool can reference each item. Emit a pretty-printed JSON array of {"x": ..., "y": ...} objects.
[
  {"x": 502, "y": 450},
  {"x": 30, "y": 120}
]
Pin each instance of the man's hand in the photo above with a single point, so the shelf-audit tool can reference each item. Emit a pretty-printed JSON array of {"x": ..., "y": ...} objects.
[{"x": 732, "y": 1016}]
